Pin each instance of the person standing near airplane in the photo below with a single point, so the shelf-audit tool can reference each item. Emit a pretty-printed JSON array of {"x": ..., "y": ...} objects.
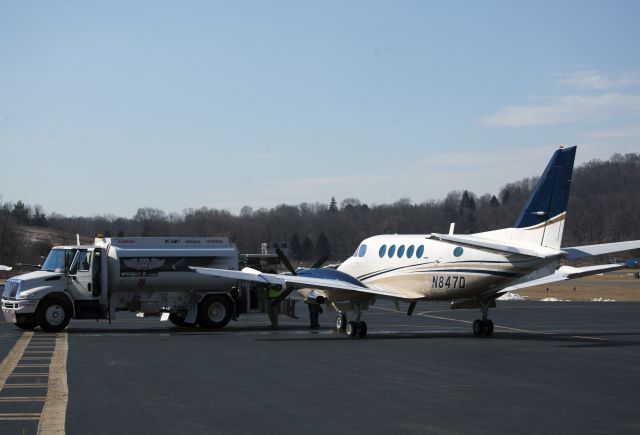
[
  {"x": 273, "y": 291},
  {"x": 314, "y": 315}
]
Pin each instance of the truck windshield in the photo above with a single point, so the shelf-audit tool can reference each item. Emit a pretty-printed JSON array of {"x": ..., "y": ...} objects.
[{"x": 58, "y": 259}]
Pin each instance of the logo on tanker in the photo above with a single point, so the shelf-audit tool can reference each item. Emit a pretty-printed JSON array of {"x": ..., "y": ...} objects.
[
  {"x": 150, "y": 266},
  {"x": 144, "y": 263}
]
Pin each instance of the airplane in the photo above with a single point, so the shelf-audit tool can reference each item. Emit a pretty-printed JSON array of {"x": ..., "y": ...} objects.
[
  {"x": 470, "y": 271},
  {"x": 5, "y": 268}
]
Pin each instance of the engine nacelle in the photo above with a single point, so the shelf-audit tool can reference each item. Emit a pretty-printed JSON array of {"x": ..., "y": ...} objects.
[{"x": 316, "y": 299}]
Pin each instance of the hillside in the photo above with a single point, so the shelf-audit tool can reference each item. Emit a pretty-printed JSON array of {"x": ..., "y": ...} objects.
[{"x": 603, "y": 207}]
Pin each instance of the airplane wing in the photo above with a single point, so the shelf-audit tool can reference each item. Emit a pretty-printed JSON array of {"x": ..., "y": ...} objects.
[
  {"x": 299, "y": 282},
  {"x": 603, "y": 248},
  {"x": 565, "y": 273},
  {"x": 496, "y": 245}
]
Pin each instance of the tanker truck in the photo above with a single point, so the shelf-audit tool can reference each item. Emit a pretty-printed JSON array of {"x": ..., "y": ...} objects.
[{"x": 148, "y": 275}]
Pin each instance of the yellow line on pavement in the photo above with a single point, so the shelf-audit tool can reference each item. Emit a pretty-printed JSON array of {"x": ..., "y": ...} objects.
[
  {"x": 28, "y": 374},
  {"x": 11, "y": 360},
  {"x": 22, "y": 399},
  {"x": 25, "y": 386},
  {"x": 32, "y": 366},
  {"x": 20, "y": 416},
  {"x": 54, "y": 411},
  {"x": 507, "y": 328}
]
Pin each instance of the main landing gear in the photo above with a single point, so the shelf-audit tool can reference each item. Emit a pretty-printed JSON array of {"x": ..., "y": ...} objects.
[
  {"x": 357, "y": 328},
  {"x": 483, "y": 326}
]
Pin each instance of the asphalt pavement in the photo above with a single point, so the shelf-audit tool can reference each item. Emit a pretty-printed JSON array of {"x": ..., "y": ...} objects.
[{"x": 549, "y": 367}]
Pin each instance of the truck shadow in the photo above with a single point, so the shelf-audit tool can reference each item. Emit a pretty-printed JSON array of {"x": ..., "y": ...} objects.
[{"x": 176, "y": 330}]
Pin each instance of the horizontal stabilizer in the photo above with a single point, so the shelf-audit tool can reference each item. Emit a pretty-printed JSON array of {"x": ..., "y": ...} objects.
[
  {"x": 604, "y": 248},
  {"x": 497, "y": 245},
  {"x": 564, "y": 273}
]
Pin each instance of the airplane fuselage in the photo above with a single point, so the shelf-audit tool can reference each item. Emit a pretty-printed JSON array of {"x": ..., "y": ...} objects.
[{"x": 434, "y": 270}]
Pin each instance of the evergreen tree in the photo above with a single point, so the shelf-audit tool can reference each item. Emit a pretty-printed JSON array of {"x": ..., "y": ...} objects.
[
  {"x": 306, "y": 249},
  {"x": 333, "y": 205},
  {"x": 467, "y": 201},
  {"x": 39, "y": 218},
  {"x": 322, "y": 246},
  {"x": 21, "y": 213},
  {"x": 295, "y": 247}
]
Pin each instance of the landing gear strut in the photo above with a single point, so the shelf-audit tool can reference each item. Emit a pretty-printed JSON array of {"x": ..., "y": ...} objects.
[
  {"x": 483, "y": 326},
  {"x": 357, "y": 328}
]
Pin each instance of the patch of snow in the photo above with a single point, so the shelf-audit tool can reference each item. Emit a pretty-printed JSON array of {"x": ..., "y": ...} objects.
[
  {"x": 553, "y": 300},
  {"x": 512, "y": 297},
  {"x": 602, "y": 300}
]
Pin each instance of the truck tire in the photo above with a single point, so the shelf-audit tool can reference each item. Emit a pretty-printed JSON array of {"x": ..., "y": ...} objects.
[
  {"x": 53, "y": 314},
  {"x": 26, "y": 324},
  {"x": 214, "y": 312},
  {"x": 178, "y": 320}
]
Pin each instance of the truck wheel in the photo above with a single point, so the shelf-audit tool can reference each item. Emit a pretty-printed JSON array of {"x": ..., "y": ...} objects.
[
  {"x": 178, "y": 320},
  {"x": 214, "y": 312},
  {"x": 53, "y": 315},
  {"x": 27, "y": 324}
]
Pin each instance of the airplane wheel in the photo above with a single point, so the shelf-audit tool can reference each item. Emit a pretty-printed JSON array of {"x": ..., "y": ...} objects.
[
  {"x": 488, "y": 327},
  {"x": 477, "y": 327},
  {"x": 352, "y": 329},
  {"x": 341, "y": 322},
  {"x": 362, "y": 330}
]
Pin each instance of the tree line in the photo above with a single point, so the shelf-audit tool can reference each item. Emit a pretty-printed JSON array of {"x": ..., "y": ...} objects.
[{"x": 603, "y": 207}]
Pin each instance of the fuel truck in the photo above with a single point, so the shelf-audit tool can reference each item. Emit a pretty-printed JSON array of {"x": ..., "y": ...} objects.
[{"x": 148, "y": 275}]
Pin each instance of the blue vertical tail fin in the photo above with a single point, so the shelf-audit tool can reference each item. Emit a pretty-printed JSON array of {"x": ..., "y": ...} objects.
[{"x": 542, "y": 218}]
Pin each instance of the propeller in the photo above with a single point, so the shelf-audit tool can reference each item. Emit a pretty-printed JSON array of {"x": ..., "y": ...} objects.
[
  {"x": 319, "y": 262},
  {"x": 283, "y": 258},
  {"x": 287, "y": 291}
]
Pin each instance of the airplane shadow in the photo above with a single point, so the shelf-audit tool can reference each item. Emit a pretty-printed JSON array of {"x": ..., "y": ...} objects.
[{"x": 564, "y": 339}]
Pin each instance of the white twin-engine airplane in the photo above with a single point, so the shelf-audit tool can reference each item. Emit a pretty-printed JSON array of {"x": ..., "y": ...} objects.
[{"x": 471, "y": 271}]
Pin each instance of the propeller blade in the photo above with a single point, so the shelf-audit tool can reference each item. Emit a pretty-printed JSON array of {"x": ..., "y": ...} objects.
[
  {"x": 319, "y": 262},
  {"x": 283, "y": 258}
]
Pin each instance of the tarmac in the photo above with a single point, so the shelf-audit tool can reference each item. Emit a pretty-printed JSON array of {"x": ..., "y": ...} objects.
[{"x": 554, "y": 367}]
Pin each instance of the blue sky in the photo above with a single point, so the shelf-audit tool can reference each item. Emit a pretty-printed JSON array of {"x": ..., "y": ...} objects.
[{"x": 110, "y": 106}]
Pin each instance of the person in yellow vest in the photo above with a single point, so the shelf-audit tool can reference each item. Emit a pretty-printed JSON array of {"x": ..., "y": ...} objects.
[{"x": 273, "y": 291}]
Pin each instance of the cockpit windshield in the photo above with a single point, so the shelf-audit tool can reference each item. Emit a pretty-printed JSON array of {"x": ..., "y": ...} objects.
[{"x": 58, "y": 259}]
